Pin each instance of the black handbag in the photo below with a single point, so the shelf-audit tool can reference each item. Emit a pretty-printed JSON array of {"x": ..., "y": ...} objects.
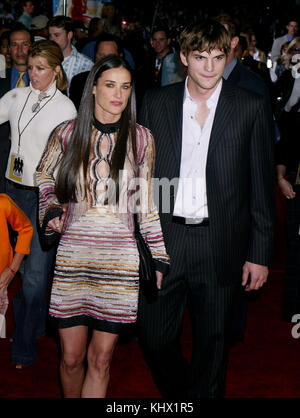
[
  {"x": 147, "y": 269},
  {"x": 51, "y": 238}
]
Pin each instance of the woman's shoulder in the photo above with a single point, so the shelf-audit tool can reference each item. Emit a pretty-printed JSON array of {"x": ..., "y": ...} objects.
[
  {"x": 6, "y": 203},
  {"x": 5, "y": 200},
  {"x": 64, "y": 129},
  {"x": 142, "y": 130},
  {"x": 65, "y": 102},
  {"x": 144, "y": 142},
  {"x": 16, "y": 93},
  {"x": 144, "y": 135}
]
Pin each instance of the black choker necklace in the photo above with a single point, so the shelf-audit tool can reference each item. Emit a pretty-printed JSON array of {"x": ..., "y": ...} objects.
[{"x": 106, "y": 128}]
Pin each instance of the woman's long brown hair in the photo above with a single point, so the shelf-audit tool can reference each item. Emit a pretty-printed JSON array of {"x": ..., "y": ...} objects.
[{"x": 78, "y": 149}]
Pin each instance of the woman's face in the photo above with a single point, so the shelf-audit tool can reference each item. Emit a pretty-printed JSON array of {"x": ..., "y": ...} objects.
[
  {"x": 112, "y": 92},
  {"x": 4, "y": 50},
  {"x": 40, "y": 73}
]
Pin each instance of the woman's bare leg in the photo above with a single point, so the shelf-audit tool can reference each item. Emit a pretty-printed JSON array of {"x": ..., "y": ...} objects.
[
  {"x": 100, "y": 353},
  {"x": 72, "y": 371}
]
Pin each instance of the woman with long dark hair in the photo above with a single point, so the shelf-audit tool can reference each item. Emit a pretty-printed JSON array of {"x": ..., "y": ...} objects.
[{"x": 105, "y": 162}]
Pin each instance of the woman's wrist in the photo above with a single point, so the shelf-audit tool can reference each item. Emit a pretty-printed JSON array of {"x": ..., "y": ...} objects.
[{"x": 13, "y": 272}]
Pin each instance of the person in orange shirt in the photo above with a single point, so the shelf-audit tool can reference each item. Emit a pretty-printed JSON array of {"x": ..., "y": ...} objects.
[{"x": 10, "y": 261}]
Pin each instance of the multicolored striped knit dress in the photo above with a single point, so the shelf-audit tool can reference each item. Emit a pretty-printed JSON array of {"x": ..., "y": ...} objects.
[{"x": 96, "y": 279}]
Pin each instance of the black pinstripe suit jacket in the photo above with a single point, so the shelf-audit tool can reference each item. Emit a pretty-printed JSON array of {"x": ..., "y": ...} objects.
[{"x": 240, "y": 174}]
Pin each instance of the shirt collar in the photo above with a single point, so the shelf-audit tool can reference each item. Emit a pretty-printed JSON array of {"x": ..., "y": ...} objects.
[
  {"x": 229, "y": 67},
  {"x": 50, "y": 91},
  {"x": 73, "y": 53}
]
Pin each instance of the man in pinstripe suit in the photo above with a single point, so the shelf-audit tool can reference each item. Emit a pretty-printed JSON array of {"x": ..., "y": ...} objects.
[{"x": 216, "y": 140}]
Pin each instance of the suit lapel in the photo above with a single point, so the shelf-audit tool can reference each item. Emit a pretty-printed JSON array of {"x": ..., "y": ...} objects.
[
  {"x": 223, "y": 114},
  {"x": 174, "y": 109}
]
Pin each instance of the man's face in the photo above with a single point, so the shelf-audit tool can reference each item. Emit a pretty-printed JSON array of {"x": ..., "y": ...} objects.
[
  {"x": 253, "y": 41},
  {"x": 292, "y": 28},
  {"x": 106, "y": 48},
  {"x": 61, "y": 37},
  {"x": 160, "y": 43},
  {"x": 205, "y": 69},
  {"x": 19, "y": 47},
  {"x": 29, "y": 7}
]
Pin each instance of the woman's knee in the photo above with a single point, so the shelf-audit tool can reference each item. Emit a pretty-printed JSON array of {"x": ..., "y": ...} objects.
[
  {"x": 72, "y": 360},
  {"x": 99, "y": 361}
]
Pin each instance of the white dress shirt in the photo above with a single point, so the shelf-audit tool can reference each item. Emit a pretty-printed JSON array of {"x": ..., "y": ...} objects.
[{"x": 191, "y": 200}]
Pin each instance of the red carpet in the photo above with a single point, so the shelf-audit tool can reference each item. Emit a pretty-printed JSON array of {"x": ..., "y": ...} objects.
[{"x": 265, "y": 365}]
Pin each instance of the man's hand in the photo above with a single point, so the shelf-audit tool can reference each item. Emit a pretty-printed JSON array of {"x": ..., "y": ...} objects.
[
  {"x": 258, "y": 276},
  {"x": 159, "y": 278}
]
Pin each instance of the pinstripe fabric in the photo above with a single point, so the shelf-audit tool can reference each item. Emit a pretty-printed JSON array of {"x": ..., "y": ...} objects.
[
  {"x": 206, "y": 263},
  {"x": 240, "y": 171}
]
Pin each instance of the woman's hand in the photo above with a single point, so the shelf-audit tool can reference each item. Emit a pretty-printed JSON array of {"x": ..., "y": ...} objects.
[
  {"x": 159, "y": 278},
  {"x": 57, "y": 223},
  {"x": 286, "y": 188}
]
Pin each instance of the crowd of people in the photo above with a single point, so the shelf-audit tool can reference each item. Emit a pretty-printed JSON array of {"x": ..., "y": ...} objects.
[{"x": 184, "y": 117}]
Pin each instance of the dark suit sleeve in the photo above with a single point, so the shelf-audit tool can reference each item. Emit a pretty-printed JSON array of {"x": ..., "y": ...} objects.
[
  {"x": 143, "y": 118},
  {"x": 262, "y": 189},
  {"x": 76, "y": 89}
]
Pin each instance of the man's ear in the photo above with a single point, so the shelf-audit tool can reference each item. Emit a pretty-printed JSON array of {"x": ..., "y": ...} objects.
[
  {"x": 234, "y": 42},
  {"x": 70, "y": 35},
  {"x": 183, "y": 59}
]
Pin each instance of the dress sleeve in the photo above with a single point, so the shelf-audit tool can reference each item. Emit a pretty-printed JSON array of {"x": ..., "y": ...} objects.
[
  {"x": 21, "y": 224},
  {"x": 46, "y": 169},
  {"x": 149, "y": 220}
]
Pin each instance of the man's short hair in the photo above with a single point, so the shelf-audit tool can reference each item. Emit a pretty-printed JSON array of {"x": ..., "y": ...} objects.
[
  {"x": 24, "y": 2},
  {"x": 204, "y": 36},
  {"x": 292, "y": 19},
  {"x": 63, "y": 22},
  {"x": 19, "y": 27},
  {"x": 109, "y": 37},
  {"x": 161, "y": 29},
  {"x": 231, "y": 23}
]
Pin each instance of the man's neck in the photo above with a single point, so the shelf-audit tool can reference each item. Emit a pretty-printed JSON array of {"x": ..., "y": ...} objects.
[
  {"x": 200, "y": 95},
  {"x": 20, "y": 67},
  {"x": 67, "y": 51},
  {"x": 162, "y": 54}
]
